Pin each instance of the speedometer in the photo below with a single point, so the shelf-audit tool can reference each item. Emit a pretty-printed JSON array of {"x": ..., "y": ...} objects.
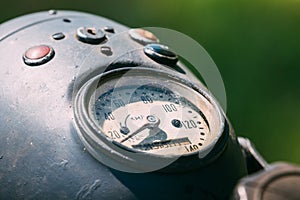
[
  {"x": 153, "y": 119},
  {"x": 150, "y": 113}
]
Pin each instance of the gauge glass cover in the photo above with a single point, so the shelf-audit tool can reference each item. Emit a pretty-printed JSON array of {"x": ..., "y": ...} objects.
[{"x": 152, "y": 113}]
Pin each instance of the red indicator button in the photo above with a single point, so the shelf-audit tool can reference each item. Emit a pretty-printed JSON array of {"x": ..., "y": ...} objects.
[{"x": 38, "y": 55}]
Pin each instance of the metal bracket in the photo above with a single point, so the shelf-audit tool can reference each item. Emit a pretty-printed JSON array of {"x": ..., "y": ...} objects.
[{"x": 255, "y": 161}]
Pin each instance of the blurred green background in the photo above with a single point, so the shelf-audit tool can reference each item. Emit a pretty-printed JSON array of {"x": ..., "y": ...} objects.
[{"x": 255, "y": 44}]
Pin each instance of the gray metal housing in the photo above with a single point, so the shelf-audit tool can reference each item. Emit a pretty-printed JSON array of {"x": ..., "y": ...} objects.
[{"x": 41, "y": 156}]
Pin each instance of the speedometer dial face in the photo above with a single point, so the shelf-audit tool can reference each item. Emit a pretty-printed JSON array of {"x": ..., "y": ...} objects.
[
  {"x": 151, "y": 119},
  {"x": 155, "y": 117}
]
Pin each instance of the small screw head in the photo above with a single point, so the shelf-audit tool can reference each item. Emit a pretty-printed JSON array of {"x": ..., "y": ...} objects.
[
  {"x": 106, "y": 51},
  {"x": 52, "y": 12},
  {"x": 58, "y": 36},
  {"x": 151, "y": 118}
]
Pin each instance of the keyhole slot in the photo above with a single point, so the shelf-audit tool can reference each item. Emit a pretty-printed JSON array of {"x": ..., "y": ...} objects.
[{"x": 91, "y": 31}]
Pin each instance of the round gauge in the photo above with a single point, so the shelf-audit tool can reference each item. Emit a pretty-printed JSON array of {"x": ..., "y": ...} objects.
[
  {"x": 150, "y": 114},
  {"x": 151, "y": 118}
]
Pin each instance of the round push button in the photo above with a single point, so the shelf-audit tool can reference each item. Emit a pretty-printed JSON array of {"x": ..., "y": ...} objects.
[
  {"x": 38, "y": 55},
  {"x": 143, "y": 36},
  {"x": 160, "y": 53}
]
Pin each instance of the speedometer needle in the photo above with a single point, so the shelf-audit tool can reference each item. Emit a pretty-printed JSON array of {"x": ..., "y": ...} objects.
[{"x": 151, "y": 124}]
